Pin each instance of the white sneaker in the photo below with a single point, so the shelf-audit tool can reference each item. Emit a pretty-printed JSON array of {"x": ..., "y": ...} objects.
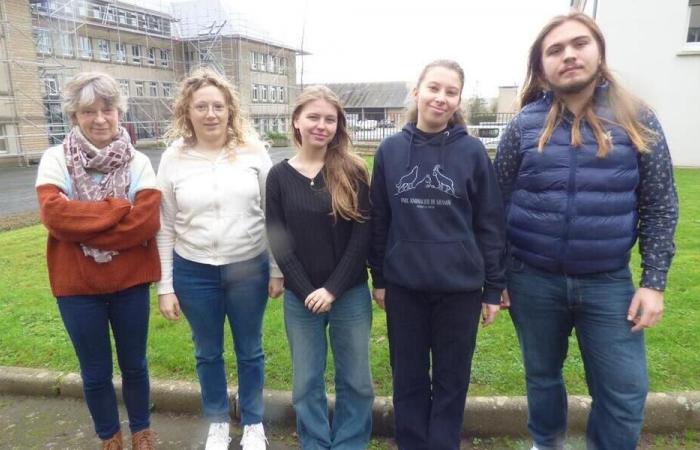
[
  {"x": 218, "y": 438},
  {"x": 254, "y": 437}
]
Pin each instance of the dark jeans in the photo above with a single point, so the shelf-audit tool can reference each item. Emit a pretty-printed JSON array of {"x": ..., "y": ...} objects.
[
  {"x": 87, "y": 319},
  {"x": 208, "y": 295},
  {"x": 545, "y": 308},
  {"x": 428, "y": 413}
]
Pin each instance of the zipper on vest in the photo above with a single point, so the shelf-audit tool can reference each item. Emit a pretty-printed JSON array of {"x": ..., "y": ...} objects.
[{"x": 570, "y": 194}]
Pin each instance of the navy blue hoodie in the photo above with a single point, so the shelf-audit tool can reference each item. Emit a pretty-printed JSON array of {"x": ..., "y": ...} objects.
[{"x": 437, "y": 215}]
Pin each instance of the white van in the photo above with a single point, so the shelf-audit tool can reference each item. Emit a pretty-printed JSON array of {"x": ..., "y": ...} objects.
[{"x": 489, "y": 133}]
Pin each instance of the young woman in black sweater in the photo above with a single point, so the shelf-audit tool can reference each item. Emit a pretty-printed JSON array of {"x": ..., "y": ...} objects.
[{"x": 317, "y": 223}]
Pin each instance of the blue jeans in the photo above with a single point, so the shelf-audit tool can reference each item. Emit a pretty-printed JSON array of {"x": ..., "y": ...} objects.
[
  {"x": 545, "y": 307},
  {"x": 87, "y": 319},
  {"x": 432, "y": 337},
  {"x": 349, "y": 323},
  {"x": 209, "y": 294}
]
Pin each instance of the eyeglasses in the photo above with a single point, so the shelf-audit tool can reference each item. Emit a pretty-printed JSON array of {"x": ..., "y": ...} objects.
[{"x": 203, "y": 108}]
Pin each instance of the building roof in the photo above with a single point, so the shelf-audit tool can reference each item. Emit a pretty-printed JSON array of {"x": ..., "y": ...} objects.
[{"x": 391, "y": 94}]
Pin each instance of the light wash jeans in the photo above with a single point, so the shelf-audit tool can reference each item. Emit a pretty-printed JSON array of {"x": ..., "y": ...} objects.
[{"x": 348, "y": 323}]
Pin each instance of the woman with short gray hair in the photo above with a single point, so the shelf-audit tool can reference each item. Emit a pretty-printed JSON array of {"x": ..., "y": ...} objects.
[{"x": 99, "y": 201}]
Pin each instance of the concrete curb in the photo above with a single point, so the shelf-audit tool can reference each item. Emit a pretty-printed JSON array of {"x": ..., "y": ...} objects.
[{"x": 484, "y": 416}]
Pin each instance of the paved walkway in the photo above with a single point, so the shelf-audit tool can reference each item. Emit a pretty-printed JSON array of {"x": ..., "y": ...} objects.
[{"x": 64, "y": 423}]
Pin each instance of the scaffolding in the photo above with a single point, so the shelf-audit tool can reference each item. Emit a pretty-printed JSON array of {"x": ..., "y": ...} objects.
[{"x": 146, "y": 49}]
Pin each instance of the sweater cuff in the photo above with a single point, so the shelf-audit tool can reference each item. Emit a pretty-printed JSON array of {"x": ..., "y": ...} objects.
[
  {"x": 165, "y": 287},
  {"x": 653, "y": 279},
  {"x": 492, "y": 296}
]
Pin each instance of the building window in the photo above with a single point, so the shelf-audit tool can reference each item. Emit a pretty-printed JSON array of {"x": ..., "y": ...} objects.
[
  {"x": 260, "y": 61},
  {"x": 122, "y": 16},
  {"x": 153, "y": 89},
  {"x": 255, "y": 93},
  {"x": 3, "y": 140},
  {"x": 119, "y": 52},
  {"x": 283, "y": 94},
  {"x": 151, "y": 56},
  {"x": 124, "y": 87},
  {"x": 85, "y": 47},
  {"x": 42, "y": 41},
  {"x": 139, "y": 88},
  {"x": 273, "y": 93},
  {"x": 164, "y": 58},
  {"x": 694, "y": 23},
  {"x": 167, "y": 89},
  {"x": 133, "y": 19},
  {"x": 270, "y": 63},
  {"x": 263, "y": 94},
  {"x": 252, "y": 61},
  {"x": 283, "y": 65},
  {"x": 51, "y": 85},
  {"x": 103, "y": 49},
  {"x": 136, "y": 54},
  {"x": 67, "y": 47}
]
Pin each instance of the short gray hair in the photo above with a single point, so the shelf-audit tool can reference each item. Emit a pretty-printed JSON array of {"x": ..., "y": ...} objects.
[{"x": 86, "y": 87}]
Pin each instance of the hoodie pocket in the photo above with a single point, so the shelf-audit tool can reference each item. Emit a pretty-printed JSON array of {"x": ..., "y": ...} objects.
[{"x": 450, "y": 266}]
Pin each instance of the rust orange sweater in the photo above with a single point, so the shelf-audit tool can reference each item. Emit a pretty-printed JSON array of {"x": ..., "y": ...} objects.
[{"x": 112, "y": 224}]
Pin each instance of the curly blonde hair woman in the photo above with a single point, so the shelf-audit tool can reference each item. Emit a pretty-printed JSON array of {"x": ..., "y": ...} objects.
[{"x": 213, "y": 249}]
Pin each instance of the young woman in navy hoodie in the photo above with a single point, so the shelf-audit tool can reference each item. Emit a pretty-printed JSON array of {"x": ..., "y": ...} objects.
[{"x": 436, "y": 257}]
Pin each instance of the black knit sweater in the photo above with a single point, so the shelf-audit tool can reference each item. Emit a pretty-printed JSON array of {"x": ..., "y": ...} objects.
[{"x": 310, "y": 247}]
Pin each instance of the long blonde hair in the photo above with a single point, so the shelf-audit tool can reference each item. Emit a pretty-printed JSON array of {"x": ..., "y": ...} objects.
[
  {"x": 624, "y": 105},
  {"x": 343, "y": 170},
  {"x": 237, "y": 128},
  {"x": 458, "y": 117}
]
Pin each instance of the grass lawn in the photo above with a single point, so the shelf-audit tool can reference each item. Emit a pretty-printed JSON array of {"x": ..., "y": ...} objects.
[{"x": 32, "y": 334}]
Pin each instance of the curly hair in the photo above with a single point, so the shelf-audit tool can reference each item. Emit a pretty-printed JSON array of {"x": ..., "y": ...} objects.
[{"x": 237, "y": 128}]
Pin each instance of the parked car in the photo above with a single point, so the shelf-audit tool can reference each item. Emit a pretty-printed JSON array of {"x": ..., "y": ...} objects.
[
  {"x": 489, "y": 133},
  {"x": 368, "y": 124}
]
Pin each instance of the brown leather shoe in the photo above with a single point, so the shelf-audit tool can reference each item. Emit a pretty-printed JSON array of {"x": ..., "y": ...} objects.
[
  {"x": 143, "y": 440},
  {"x": 113, "y": 443}
]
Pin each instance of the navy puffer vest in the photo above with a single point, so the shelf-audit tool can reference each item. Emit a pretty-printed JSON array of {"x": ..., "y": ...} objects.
[{"x": 570, "y": 211}]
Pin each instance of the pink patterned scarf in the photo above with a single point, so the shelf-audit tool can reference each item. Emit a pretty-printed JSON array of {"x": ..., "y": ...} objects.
[{"x": 83, "y": 159}]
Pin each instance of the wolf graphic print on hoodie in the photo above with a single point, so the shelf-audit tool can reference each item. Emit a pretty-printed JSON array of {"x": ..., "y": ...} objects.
[{"x": 438, "y": 222}]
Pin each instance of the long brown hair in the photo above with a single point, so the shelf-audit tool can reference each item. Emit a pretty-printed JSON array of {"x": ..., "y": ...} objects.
[
  {"x": 237, "y": 128},
  {"x": 343, "y": 170},
  {"x": 458, "y": 117},
  {"x": 624, "y": 105}
]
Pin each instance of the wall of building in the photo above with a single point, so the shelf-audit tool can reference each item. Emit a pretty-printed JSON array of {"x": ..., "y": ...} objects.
[
  {"x": 647, "y": 48},
  {"x": 24, "y": 97}
]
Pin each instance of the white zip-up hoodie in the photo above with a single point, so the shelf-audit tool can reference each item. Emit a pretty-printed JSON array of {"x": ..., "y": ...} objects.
[{"x": 212, "y": 211}]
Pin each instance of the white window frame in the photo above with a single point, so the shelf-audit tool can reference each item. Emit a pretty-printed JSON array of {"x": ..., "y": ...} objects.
[
  {"x": 153, "y": 89},
  {"x": 164, "y": 58},
  {"x": 151, "y": 56},
  {"x": 693, "y": 46},
  {"x": 124, "y": 87},
  {"x": 167, "y": 89},
  {"x": 263, "y": 92},
  {"x": 42, "y": 41},
  {"x": 283, "y": 65},
  {"x": 4, "y": 142},
  {"x": 85, "y": 47},
  {"x": 139, "y": 88},
  {"x": 283, "y": 94},
  {"x": 67, "y": 45},
  {"x": 254, "y": 95},
  {"x": 135, "y": 55},
  {"x": 253, "y": 66},
  {"x": 51, "y": 85},
  {"x": 119, "y": 52},
  {"x": 272, "y": 95},
  {"x": 103, "y": 49}
]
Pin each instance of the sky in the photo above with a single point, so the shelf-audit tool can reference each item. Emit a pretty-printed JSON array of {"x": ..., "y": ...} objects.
[{"x": 391, "y": 40}]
